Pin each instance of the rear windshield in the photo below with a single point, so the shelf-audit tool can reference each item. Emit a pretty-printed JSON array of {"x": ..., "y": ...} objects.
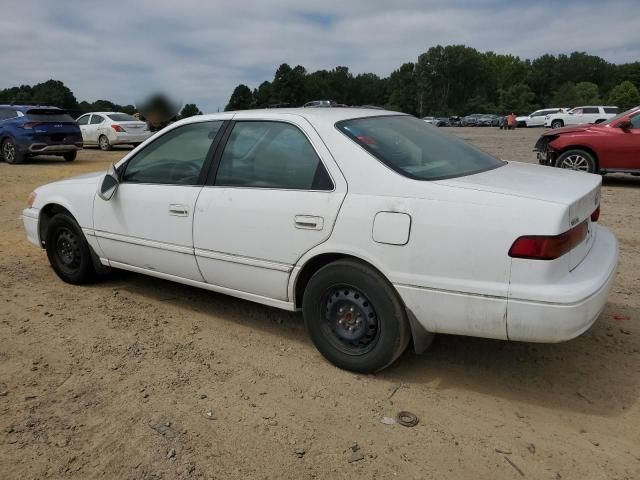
[
  {"x": 43, "y": 115},
  {"x": 415, "y": 149},
  {"x": 122, "y": 117}
]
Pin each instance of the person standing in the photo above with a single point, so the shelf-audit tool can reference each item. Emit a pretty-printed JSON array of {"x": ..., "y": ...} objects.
[{"x": 511, "y": 121}]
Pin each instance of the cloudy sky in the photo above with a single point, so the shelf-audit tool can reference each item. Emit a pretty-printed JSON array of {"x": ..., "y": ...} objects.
[{"x": 200, "y": 50}]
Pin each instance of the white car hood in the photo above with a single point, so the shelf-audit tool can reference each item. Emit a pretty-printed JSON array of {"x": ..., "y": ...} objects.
[
  {"x": 85, "y": 178},
  {"x": 530, "y": 181}
]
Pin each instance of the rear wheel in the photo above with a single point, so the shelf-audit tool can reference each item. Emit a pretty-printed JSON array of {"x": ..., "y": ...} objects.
[
  {"x": 70, "y": 156},
  {"x": 68, "y": 251},
  {"x": 557, "y": 124},
  {"x": 104, "y": 144},
  {"x": 580, "y": 160},
  {"x": 354, "y": 317},
  {"x": 11, "y": 153}
]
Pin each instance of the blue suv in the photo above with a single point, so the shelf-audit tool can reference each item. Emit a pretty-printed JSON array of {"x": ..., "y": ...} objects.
[{"x": 27, "y": 130}]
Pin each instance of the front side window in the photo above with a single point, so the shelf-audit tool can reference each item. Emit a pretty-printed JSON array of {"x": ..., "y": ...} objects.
[
  {"x": 635, "y": 121},
  {"x": 84, "y": 120},
  {"x": 176, "y": 158},
  {"x": 96, "y": 119},
  {"x": 408, "y": 146},
  {"x": 271, "y": 155}
]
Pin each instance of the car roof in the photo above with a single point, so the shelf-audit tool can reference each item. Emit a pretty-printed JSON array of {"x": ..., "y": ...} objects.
[
  {"x": 24, "y": 108},
  {"x": 105, "y": 113},
  {"x": 321, "y": 115}
]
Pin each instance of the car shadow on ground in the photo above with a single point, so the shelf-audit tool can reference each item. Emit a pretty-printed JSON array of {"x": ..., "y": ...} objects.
[
  {"x": 621, "y": 180},
  {"x": 590, "y": 374}
]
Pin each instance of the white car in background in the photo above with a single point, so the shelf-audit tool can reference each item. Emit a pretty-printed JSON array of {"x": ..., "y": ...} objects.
[
  {"x": 106, "y": 129},
  {"x": 580, "y": 115},
  {"x": 273, "y": 207},
  {"x": 537, "y": 118}
]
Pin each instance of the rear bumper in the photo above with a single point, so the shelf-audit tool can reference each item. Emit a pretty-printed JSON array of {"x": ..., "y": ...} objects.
[
  {"x": 127, "y": 138},
  {"x": 30, "y": 223},
  {"x": 62, "y": 148},
  {"x": 577, "y": 302}
]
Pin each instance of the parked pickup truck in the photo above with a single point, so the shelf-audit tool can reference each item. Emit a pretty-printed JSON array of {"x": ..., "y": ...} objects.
[{"x": 580, "y": 115}]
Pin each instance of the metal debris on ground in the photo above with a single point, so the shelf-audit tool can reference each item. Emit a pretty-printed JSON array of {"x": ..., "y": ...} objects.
[
  {"x": 514, "y": 465},
  {"x": 388, "y": 420},
  {"x": 356, "y": 457},
  {"x": 407, "y": 419}
]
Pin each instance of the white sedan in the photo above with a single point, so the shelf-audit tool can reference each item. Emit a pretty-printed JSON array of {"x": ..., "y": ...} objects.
[
  {"x": 380, "y": 228},
  {"x": 106, "y": 129}
]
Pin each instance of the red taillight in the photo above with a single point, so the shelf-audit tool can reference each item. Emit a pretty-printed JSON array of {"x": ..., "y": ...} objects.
[
  {"x": 117, "y": 128},
  {"x": 541, "y": 247},
  {"x": 30, "y": 125},
  {"x": 596, "y": 214}
]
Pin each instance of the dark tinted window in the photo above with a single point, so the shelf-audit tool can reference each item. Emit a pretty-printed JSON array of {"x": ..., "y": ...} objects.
[
  {"x": 122, "y": 117},
  {"x": 44, "y": 115},
  {"x": 590, "y": 110},
  {"x": 611, "y": 109},
  {"x": 84, "y": 120},
  {"x": 96, "y": 119},
  {"x": 410, "y": 147},
  {"x": 176, "y": 158},
  {"x": 6, "y": 114},
  {"x": 635, "y": 121},
  {"x": 271, "y": 155}
]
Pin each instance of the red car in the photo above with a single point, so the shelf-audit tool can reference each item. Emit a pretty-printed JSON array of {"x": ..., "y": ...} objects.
[{"x": 609, "y": 147}]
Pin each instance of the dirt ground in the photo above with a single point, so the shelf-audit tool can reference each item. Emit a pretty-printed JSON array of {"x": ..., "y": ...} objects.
[{"x": 138, "y": 378}]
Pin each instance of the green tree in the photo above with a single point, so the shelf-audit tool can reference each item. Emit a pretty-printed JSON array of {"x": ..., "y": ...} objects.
[
  {"x": 262, "y": 95},
  {"x": 587, "y": 93},
  {"x": 624, "y": 95},
  {"x": 190, "y": 110},
  {"x": 55, "y": 93},
  {"x": 566, "y": 96},
  {"x": 517, "y": 98},
  {"x": 241, "y": 99},
  {"x": 401, "y": 89}
]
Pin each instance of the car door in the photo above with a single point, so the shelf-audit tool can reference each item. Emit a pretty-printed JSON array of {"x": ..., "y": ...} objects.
[
  {"x": 591, "y": 114},
  {"x": 93, "y": 131},
  {"x": 83, "y": 123},
  {"x": 624, "y": 146},
  {"x": 274, "y": 194},
  {"x": 148, "y": 222}
]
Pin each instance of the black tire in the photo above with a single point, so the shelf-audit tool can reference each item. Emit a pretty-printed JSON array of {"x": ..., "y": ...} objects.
[
  {"x": 557, "y": 124},
  {"x": 577, "y": 159},
  {"x": 70, "y": 156},
  {"x": 68, "y": 251},
  {"x": 372, "y": 333},
  {"x": 10, "y": 152},
  {"x": 104, "y": 144}
]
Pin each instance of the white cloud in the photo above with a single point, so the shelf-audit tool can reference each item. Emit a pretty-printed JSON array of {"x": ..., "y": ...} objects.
[{"x": 201, "y": 50}]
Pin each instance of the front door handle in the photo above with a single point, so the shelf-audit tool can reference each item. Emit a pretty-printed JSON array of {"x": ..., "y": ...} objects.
[
  {"x": 178, "y": 210},
  {"x": 309, "y": 222}
]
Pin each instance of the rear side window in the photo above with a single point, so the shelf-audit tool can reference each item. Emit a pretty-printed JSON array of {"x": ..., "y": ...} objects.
[
  {"x": 413, "y": 149},
  {"x": 271, "y": 155},
  {"x": 590, "y": 110},
  {"x": 614, "y": 110},
  {"x": 122, "y": 117},
  {"x": 96, "y": 119},
  {"x": 44, "y": 115}
]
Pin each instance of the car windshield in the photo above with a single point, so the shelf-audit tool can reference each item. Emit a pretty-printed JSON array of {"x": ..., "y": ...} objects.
[
  {"x": 415, "y": 150},
  {"x": 620, "y": 115},
  {"x": 122, "y": 117}
]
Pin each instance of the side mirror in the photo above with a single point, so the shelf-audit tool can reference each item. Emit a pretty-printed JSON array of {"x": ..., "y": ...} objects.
[
  {"x": 624, "y": 124},
  {"x": 109, "y": 184}
]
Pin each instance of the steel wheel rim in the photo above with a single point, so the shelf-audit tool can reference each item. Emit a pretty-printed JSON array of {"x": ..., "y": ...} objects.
[
  {"x": 576, "y": 162},
  {"x": 67, "y": 250},
  {"x": 9, "y": 151},
  {"x": 350, "y": 321}
]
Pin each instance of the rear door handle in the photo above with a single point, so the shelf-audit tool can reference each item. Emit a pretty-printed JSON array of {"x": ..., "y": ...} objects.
[
  {"x": 178, "y": 210},
  {"x": 309, "y": 222}
]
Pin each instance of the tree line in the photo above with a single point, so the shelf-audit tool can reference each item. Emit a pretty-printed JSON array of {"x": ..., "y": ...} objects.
[
  {"x": 456, "y": 80},
  {"x": 57, "y": 94}
]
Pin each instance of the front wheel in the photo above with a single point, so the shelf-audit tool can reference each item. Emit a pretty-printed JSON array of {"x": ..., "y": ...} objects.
[
  {"x": 104, "y": 144},
  {"x": 354, "y": 317},
  {"x": 11, "y": 153},
  {"x": 580, "y": 160},
  {"x": 68, "y": 251}
]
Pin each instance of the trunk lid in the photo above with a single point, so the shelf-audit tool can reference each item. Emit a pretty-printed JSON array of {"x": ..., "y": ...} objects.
[
  {"x": 53, "y": 126},
  {"x": 579, "y": 191},
  {"x": 133, "y": 127}
]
